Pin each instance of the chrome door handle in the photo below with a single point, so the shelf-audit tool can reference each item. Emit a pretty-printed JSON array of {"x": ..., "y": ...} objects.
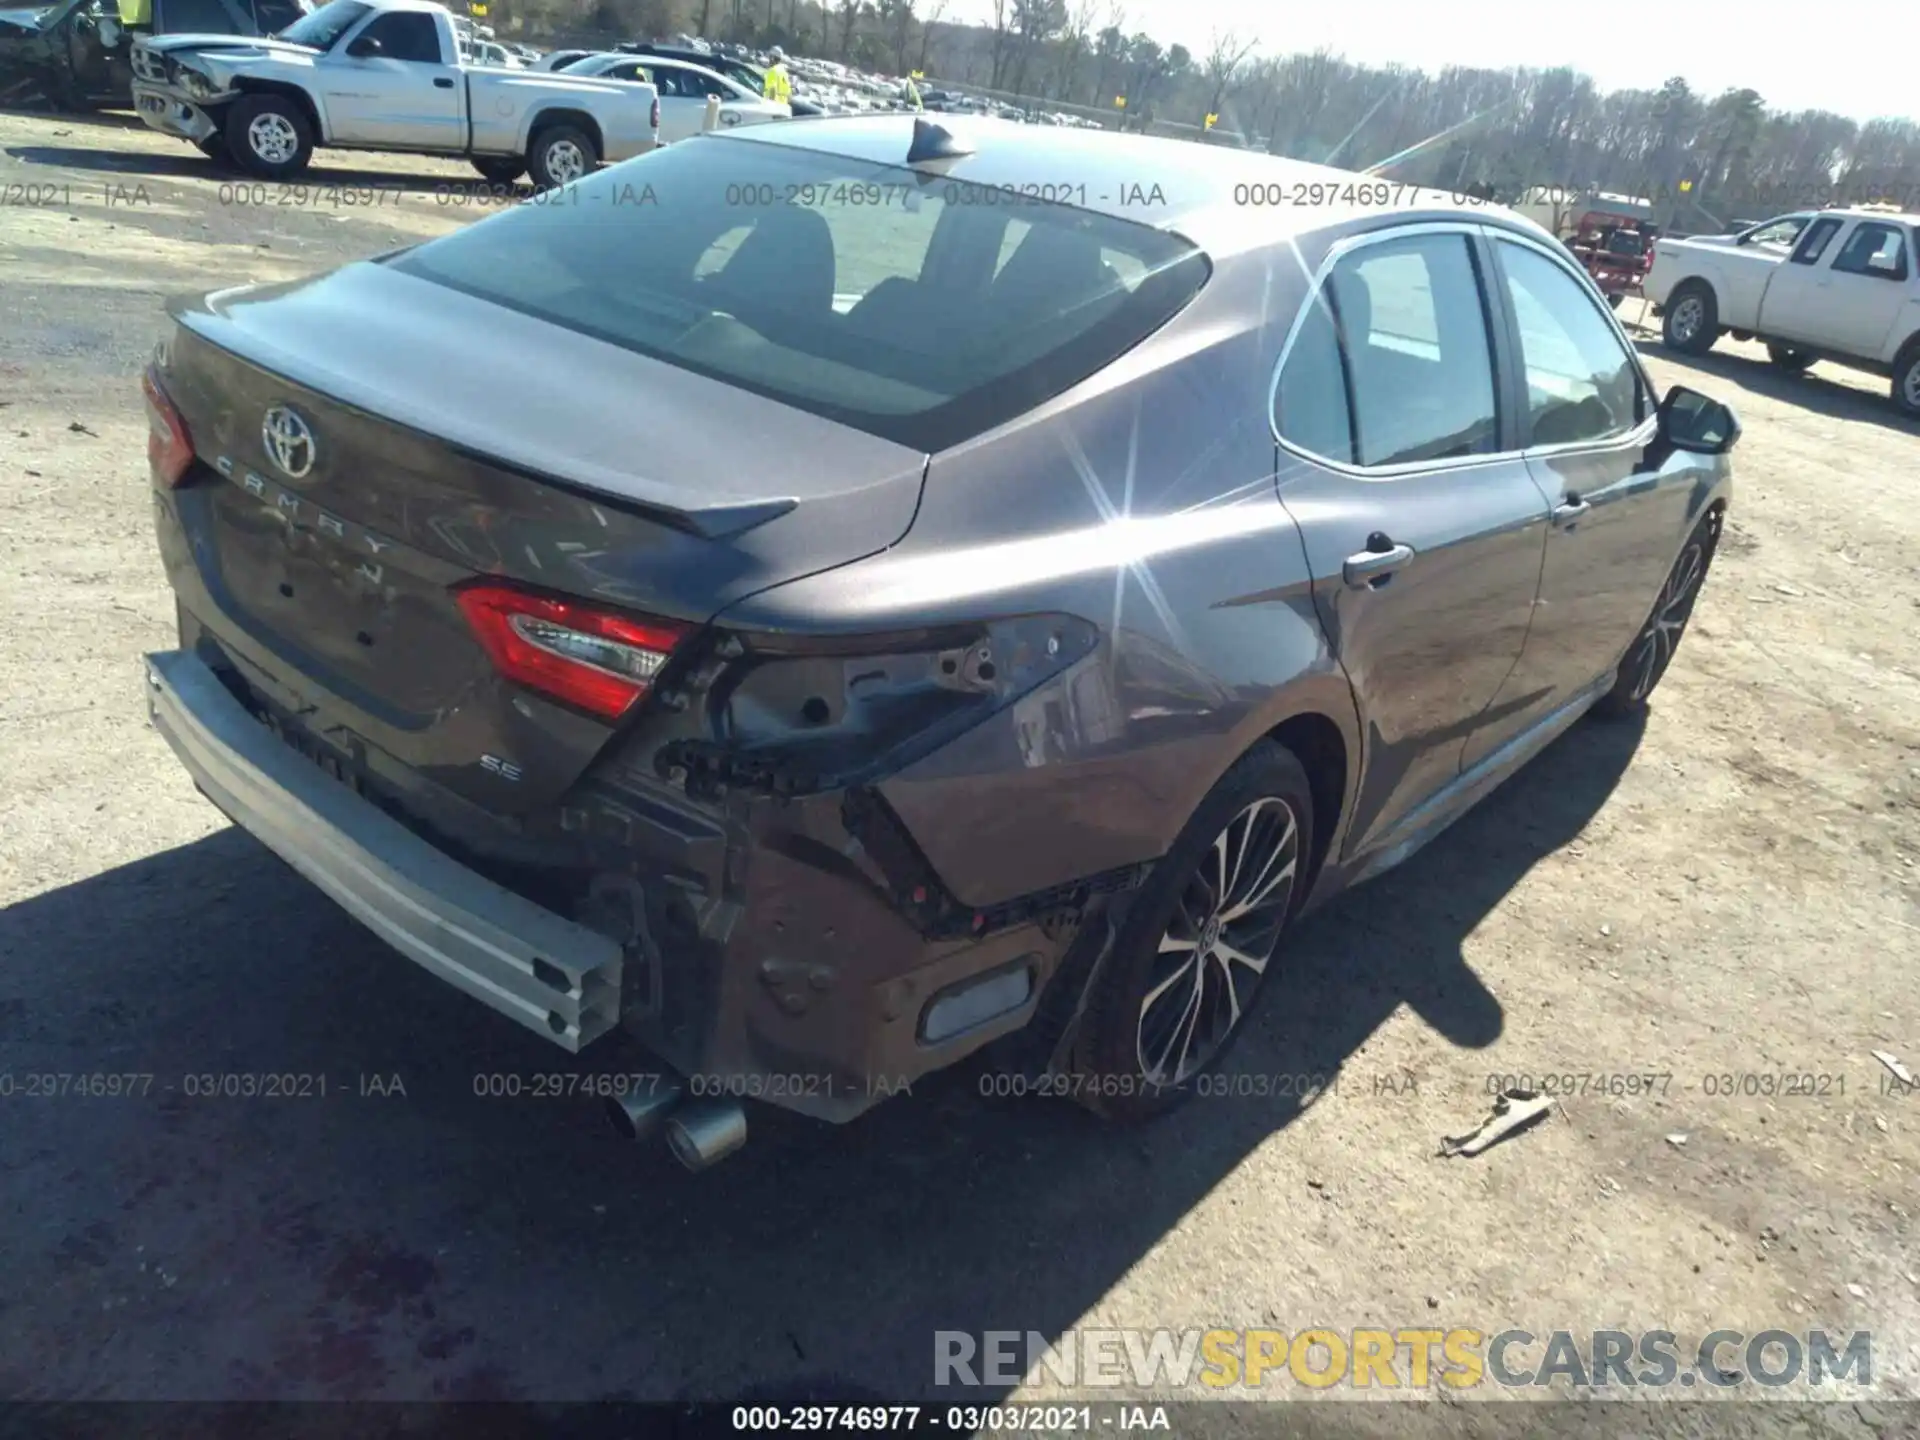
[
  {"x": 1570, "y": 510},
  {"x": 1371, "y": 568}
]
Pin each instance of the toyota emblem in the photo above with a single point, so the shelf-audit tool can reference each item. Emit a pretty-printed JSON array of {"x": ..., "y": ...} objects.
[{"x": 288, "y": 441}]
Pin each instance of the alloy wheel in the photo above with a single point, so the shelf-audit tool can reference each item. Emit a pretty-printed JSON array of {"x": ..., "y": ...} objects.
[
  {"x": 1215, "y": 951},
  {"x": 272, "y": 138},
  {"x": 1653, "y": 651},
  {"x": 1910, "y": 386},
  {"x": 1688, "y": 316}
]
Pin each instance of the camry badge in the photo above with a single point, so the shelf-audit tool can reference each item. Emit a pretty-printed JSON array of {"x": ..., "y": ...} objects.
[{"x": 288, "y": 441}]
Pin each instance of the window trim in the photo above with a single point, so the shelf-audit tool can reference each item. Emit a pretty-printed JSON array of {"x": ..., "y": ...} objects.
[
  {"x": 1474, "y": 235},
  {"x": 1508, "y": 363},
  {"x": 1642, "y": 430}
]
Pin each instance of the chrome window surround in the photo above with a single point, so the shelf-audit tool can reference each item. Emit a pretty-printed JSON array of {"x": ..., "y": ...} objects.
[{"x": 1487, "y": 231}]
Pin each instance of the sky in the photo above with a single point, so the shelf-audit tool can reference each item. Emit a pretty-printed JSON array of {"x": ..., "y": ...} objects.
[{"x": 1863, "y": 71}]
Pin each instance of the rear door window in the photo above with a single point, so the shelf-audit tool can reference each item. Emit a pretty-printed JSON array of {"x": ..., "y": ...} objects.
[
  {"x": 1311, "y": 409},
  {"x": 1873, "y": 249},
  {"x": 1414, "y": 334}
]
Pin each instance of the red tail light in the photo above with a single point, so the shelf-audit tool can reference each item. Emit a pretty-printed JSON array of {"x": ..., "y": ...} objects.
[
  {"x": 655, "y": 121},
  {"x": 169, "y": 448},
  {"x": 599, "y": 660}
]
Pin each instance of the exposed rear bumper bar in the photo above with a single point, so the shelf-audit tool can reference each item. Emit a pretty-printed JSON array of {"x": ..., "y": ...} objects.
[{"x": 553, "y": 976}]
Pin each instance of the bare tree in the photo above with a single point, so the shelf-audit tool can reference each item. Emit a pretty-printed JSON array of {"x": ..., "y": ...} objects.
[
  {"x": 848, "y": 17},
  {"x": 1222, "y": 64},
  {"x": 1037, "y": 22},
  {"x": 934, "y": 12},
  {"x": 1003, "y": 14}
]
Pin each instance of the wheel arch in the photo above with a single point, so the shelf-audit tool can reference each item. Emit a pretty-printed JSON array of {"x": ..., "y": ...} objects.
[
  {"x": 292, "y": 92},
  {"x": 550, "y": 115},
  {"x": 1317, "y": 741}
]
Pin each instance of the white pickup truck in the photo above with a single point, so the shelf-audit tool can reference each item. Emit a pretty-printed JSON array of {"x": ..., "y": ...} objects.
[
  {"x": 384, "y": 75},
  {"x": 1845, "y": 288}
]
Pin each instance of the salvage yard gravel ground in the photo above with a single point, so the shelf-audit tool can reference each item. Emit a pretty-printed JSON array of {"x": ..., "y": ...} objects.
[{"x": 1723, "y": 899}]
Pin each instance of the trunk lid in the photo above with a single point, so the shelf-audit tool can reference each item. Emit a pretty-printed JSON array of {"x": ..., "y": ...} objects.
[{"x": 446, "y": 438}]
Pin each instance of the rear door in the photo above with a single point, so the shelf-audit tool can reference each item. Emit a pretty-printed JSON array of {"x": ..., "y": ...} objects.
[
  {"x": 406, "y": 97},
  {"x": 1422, "y": 523},
  {"x": 1618, "y": 510}
]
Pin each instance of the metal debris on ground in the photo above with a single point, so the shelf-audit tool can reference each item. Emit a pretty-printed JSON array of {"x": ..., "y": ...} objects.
[
  {"x": 1892, "y": 1062},
  {"x": 1513, "y": 1111}
]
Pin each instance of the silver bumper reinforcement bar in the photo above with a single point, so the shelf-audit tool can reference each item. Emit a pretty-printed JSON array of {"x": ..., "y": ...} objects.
[{"x": 552, "y": 975}]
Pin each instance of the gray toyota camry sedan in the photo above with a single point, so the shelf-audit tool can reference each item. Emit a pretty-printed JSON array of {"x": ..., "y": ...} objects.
[{"x": 825, "y": 597}]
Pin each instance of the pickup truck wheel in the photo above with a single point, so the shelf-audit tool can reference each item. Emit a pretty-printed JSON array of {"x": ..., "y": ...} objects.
[
  {"x": 1197, "y": 943},
  {"x": 1906, "y": 381},
  {"x": 1789, "y": 359},
  {"x": 1692, "y": 321},
  {"x": 269, "y": 136},
  {"x": 499, "y": 170},
  {"x": 559, "y": 155}
]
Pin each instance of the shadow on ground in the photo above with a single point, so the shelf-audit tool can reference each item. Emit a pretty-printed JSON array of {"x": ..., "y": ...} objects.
[
  {"x": 1817, "y": 390},
  {"x": 439, "y": 1244}
]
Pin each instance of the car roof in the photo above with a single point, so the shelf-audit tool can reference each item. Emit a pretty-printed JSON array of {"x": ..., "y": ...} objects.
[{"x": 1223, "y": 199}]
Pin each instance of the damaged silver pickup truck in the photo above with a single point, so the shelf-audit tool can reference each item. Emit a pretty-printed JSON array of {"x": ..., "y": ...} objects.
[{"x": 394, "y": 75}]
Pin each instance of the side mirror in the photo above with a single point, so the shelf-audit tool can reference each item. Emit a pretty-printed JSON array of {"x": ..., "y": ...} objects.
[
  {"x": 364, "y": 48},
  {"x": 1695, "y": 422}
]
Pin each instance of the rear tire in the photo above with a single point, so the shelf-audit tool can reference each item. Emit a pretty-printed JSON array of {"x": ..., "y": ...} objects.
[
  {"x": 1692, "y": 320},
  {"x": 1156, "y": 1023},
  {"x": 500, "y": 169},
  {"x": 1906, "y": 381},
  {"x": 1794, "y": 362},
  {"x": 559, "y": 155},
  {"x": 269, "y": 136},
  {"x": 1646, "y": 660}
]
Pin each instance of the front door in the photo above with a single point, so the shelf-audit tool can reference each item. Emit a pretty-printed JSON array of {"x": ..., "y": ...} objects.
[
  {"x": 408, "y": 96},
  {"x": 1617, "y": 509},
  {"x": 1423, "y": 526}
]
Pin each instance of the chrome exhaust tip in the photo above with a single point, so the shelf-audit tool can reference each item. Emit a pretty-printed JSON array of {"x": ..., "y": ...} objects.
[
  {"x": 637, "y": 1116},
  {"x": 705, "y": 1133}
]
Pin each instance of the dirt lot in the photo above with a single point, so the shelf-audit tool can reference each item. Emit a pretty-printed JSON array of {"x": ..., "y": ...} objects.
[{"x": 1729, "y": 891}]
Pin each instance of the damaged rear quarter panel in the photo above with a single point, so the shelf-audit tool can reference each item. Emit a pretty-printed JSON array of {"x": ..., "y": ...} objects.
[{"x": 1144, "y": 502}]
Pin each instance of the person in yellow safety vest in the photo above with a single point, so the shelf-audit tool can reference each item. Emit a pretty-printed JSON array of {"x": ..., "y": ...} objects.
[
  {"x": 778, "y": 85},
  {"x": 913, "y": 95}
]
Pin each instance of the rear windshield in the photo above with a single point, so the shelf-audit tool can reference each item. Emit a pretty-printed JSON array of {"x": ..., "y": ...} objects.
[{"x": 914, "y": 308}]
